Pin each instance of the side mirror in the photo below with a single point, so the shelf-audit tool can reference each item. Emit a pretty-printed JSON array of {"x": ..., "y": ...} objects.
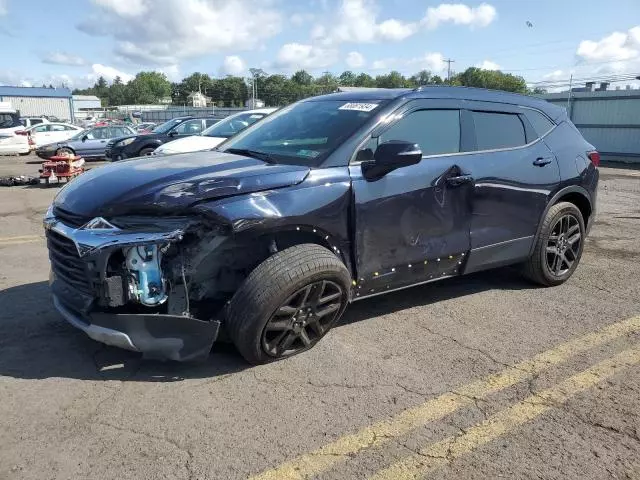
[
  {"x": 390, "y": 156},
  {"x": 173, "y": 133},
  {"x": 85, "y": 138}
]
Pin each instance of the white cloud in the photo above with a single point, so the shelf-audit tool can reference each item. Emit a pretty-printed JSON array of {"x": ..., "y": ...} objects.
[
  {"x": 150, "y": 35},
  {"x": 124, "y": 8},
  {"x": 62, "y": 58},
  {"x": 459, "y": 14},
  {"x": 233, "y": 65},
  {"x": 299, "y": 19},
  {"x": 383, "y": 64},
  {"x": 3, "y": 8},
  {"x": 355, "y": 60},
  {"x": 556, "y": 75},
  {"x": 296, "y": 56},
  {"x": 488, "y": 65},
  {"x": 109, "y": 73},
  {"x": 356, "y": 22},
  {"x": 432, "y": 61},
  {"x": 617, "y": 46}
]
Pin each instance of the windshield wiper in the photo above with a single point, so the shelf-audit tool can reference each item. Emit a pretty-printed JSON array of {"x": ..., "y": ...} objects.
[{"x": 265, "y": 157}]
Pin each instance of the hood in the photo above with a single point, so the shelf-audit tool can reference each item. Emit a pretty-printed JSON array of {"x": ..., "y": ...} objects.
[
  {"x": 171, "y": 184},
  {"x": 190, "y": 144}
]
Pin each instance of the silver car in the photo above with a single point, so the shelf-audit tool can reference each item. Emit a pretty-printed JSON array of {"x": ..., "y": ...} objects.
[{"x": 89, "y": 144}]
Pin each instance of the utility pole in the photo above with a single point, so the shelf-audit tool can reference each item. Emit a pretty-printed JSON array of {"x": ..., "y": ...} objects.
[
  {"x": 569, "y": 96},
  {"x": 449, "y": 62}
]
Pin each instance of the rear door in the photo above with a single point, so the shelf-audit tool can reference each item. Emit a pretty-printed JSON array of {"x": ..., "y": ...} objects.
[
  {"x": 514, "y": 174},
  {"x": 42, "y": 135},
  {"x": 412, "y": 225}
]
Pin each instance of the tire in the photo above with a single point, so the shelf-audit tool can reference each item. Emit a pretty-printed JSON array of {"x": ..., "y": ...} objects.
[
  {"x": 286, "y": 278},
  {"x": 542, "y": 267},
  {"x": 65, "y": 150},
  {"x": 146, "y": 151}
]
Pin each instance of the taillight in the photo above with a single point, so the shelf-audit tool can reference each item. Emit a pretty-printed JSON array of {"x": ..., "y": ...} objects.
[
  {"x": 594, "y": 157},
  {"x": 21, "y": 132}
]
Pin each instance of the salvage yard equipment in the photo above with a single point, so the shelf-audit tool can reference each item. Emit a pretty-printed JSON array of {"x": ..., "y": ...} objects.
[{"x": 60, "y": 167}]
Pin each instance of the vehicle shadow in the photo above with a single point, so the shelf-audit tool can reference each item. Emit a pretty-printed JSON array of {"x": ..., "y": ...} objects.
[{"x": 36, "y": 343}]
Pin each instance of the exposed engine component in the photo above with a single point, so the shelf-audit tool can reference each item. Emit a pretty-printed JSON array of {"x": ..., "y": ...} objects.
[{"x": 146, "y": 283}]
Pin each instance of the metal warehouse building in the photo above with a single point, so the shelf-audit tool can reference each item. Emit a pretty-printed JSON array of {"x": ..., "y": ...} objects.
[
  {"x": 34, "y": 102},
  {"x": 608, "y": 119}
]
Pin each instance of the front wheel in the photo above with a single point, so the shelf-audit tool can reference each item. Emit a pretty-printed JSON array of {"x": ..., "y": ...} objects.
[
  {"x": 146, "y": 151},
  {"x": 288, "y": 303},
  {"x": 559, "y": 246},
  {"x": 64, "y": 151}
]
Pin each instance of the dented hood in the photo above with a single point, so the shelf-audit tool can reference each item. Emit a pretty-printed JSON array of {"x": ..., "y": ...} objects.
[{"x": 172, "y": 183}]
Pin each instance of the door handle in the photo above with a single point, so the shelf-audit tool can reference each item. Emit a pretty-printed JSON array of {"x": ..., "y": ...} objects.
[
  {"x": 459, "y": 180},
  {"x": 541, "y": 162}
]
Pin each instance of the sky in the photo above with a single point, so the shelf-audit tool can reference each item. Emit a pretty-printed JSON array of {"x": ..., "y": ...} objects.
[{"x": 76, "y": 41}]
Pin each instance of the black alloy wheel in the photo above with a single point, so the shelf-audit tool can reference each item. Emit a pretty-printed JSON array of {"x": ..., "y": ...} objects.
[
  {"x": 563, "y": 245},
  {"x": 302, "y": 319}
]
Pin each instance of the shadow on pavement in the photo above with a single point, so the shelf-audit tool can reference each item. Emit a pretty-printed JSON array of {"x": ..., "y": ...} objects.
[{"x": 36, "y": 343}]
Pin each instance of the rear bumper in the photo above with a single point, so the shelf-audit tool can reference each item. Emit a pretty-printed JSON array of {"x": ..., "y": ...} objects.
[{"x": 156, "y": 336}]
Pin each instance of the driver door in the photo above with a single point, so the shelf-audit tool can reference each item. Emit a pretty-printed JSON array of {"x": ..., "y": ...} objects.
[{"x": 412, "y": 225}]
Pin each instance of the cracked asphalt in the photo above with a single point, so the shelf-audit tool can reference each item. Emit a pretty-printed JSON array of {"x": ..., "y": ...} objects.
[{"x": 485, "y": 376}]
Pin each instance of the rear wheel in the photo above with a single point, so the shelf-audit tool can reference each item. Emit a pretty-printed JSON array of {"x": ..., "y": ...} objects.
[
  {"x": 558, "y": 247},
  {"x": 288, "y": 303}
]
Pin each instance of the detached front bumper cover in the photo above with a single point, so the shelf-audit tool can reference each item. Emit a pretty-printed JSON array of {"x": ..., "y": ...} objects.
[{"x": 159, "y": 336}]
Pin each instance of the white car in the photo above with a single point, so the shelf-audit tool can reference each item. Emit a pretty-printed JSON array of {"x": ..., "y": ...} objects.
[
  {"x": 215, "y": 134},
  {"x": 32, "y": 121},
  {"x": 50, "y": 133},
  {"x": 10, "y": 142}
]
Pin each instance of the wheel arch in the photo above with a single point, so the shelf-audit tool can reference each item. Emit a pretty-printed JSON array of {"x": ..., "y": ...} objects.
[{"x": 573, "y": 194}]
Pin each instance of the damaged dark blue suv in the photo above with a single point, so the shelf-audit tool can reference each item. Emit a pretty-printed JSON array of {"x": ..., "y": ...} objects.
[{"x": 330, "y": 200}]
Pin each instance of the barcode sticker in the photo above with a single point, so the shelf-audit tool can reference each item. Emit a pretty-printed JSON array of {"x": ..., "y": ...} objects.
[{"x": 360, "y": 107}]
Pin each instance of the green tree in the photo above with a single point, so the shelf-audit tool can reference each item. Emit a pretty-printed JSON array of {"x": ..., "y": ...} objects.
[
  {"x": 326, "y": 83},
  {"x": 391, "y": 80},
  {"x": 492, "y": 79},
  {"x": 347, "y": 79},
  {"x": 196, "y": 82},
  {"x": 364, "y": 80},
  {"x": 117, "y": 93},
  {"x": 233, "y": 91},
  {"x": 423, "y": 77},
  {"x": 302, "y": 77}
]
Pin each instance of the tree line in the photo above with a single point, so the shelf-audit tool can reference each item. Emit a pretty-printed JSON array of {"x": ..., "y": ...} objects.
[{"x": 276, "y": 90}]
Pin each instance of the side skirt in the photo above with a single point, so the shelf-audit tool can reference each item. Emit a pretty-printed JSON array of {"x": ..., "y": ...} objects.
[
  {"x": 499, "y": 254},
  {"x": 355, "y": 299}
]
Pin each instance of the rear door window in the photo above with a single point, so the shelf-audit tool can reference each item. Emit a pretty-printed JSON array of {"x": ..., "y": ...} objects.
[
  {"x": 436, "y": 131},
  {"x": 190, "y": 127},
  {"x": 58, "y": 128},
  {"x": 498, "y": 130}
]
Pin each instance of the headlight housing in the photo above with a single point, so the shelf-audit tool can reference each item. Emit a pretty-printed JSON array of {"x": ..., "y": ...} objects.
[{"x": 125, "y": 142}]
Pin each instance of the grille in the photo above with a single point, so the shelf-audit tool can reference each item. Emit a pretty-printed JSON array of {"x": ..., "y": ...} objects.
[
  {"x": 70, "y": 219},
  {"x": 66, "y": 263},
  {"x": 110, "y": 144}
]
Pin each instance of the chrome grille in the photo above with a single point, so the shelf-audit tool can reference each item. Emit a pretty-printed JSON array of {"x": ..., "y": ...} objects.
[{"x": 66, "y": 263}]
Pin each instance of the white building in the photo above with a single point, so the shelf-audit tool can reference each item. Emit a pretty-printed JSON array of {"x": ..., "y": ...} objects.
[
  {"x": 38, "y": 102},
  {"x": 86, "y": 106},
  {"x": 198, "y": 99}
]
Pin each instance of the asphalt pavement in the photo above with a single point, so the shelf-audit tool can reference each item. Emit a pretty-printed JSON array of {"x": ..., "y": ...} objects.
[{"x": 485, "y": 376}]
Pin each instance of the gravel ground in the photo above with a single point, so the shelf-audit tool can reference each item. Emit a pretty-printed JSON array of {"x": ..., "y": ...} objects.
[{"x": 403, "y": 387}]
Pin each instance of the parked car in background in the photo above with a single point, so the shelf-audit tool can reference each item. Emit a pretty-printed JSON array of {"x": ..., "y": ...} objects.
[
  {"x": 47, "y": 133},
  {"x": 214, "y": 135},
  {"x": 143, "y": 144},
  {"x": 31, "y": 121},
  {"x": 10, "y": 142},
  {"x": 90, "y": 144},
  {"x": 330, "y": 200},
  {"x": 146, "y": 127}
]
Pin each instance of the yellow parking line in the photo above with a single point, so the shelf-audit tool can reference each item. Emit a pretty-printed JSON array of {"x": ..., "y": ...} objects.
[
  {"x": 24, "y": 238},
  {"x": 21, "y": 239},
  {"x": 327, "y": 456},
  {"x": 437, "y": 455}
]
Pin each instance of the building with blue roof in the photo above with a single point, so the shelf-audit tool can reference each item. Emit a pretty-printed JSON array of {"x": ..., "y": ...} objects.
[{"x": 38, "y": 102}]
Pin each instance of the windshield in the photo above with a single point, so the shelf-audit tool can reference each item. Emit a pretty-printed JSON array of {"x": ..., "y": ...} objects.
[
  {"x": 305, "y": 133},
  {"x": 166, "y": 126},
  {"x": 231, "y": 125}
]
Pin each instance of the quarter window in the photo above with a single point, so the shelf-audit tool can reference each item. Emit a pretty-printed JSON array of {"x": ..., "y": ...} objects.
[
  {"x": 41, "y": 128},
  {"x": 58, "y": 128},
  {"x": 436, "y": 131},
  {"x": 498, "y": 130},
  {"x": 540, "y": 123}
]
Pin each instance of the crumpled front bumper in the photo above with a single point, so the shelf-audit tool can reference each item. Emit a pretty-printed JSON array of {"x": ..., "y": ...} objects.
[{"x": 156, "y": 336}]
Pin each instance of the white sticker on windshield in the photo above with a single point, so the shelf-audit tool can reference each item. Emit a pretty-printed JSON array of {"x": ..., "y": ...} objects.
[
  {"x": 360, "y": 107},
  {"x": 255, "y": 116}
]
